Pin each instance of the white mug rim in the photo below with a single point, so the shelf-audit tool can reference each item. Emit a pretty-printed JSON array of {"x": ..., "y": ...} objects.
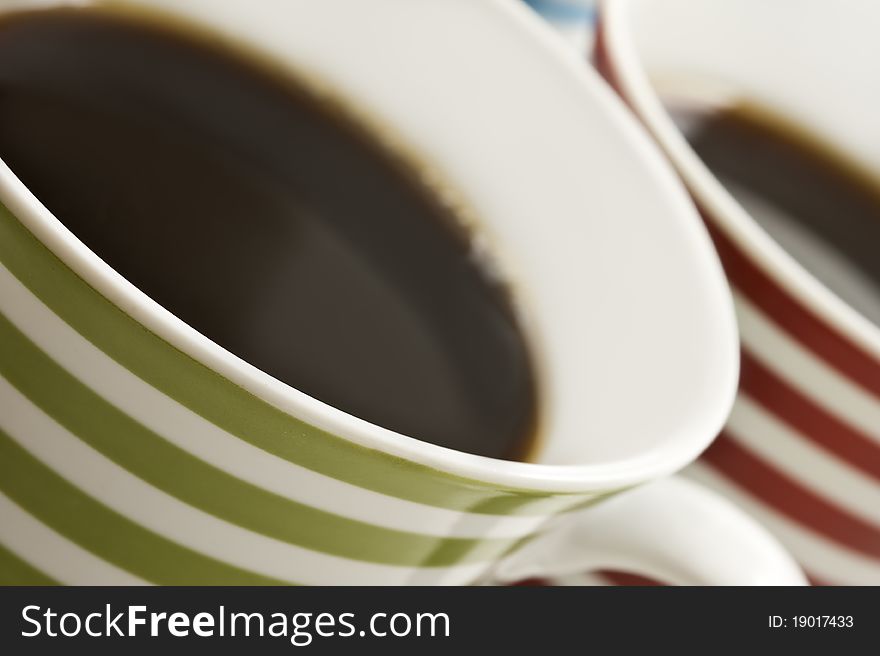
[{"x": 675, "y": 453}]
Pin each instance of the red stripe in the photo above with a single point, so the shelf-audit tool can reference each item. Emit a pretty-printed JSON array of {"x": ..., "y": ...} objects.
[
  {"x": 532, "y": 583},
  {"x": 791, "y": 498},
  {"x": 817, "y": 581},
  {"x": 602, "y": 60},
  {"x": 615, "y": 577},
  {"x": 826, "y": 342},
  {"x": 626, "y": 578},
  {"x": 808, "y": 418},
  {"x": 612, "y": 577}
]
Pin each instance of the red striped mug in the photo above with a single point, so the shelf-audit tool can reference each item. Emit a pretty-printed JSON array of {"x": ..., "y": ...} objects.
[{"x": 801, "y": 451}]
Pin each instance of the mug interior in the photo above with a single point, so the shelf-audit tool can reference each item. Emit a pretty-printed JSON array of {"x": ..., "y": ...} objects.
[
  {"x": 789, "y": 57},
  {"x": 622, "y": 298}
]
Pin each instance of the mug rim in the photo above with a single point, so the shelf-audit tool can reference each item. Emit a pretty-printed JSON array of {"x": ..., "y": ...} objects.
[
  {"x": 618, "y": 44},
  {"x": 672, "y": 454}
]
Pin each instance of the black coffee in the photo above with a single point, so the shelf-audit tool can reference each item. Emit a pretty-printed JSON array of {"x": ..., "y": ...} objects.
[
  {"x": 267, "y": 220},
  {"x": 821, "y": 209}
]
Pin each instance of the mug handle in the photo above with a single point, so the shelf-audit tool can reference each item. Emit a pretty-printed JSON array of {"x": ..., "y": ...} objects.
[{"x": 672, "y": 530}]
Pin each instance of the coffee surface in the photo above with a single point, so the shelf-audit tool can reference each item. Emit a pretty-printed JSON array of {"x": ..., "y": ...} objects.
[
  {"x": 819, "y": 208},
  {"x": 268, "y": 221}
]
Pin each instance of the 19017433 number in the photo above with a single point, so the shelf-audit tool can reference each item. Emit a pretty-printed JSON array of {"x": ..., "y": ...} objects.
[{"x": 810, "y": 622}]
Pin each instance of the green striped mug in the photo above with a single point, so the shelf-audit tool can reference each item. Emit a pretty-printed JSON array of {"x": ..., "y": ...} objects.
[{"x": 135, "y": 450}]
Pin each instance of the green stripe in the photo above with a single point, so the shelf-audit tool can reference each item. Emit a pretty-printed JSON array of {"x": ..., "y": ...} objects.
[
  {"x": 174, "y": 470},
  {"x": 232, "y": 408},
  {"x": 105, "y": 533},
  {"x": 14, "y": 571}
]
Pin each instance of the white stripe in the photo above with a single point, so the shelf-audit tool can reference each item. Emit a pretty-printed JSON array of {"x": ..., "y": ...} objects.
[
  {"x": 827, "y": 560},
  {"x": 804, "y": 371},
  {"x": 796, "y": 456},
  {"x": 115, "y": 487},
  {"x": 53, "y": 554},
  {"x": 187, "y": 430}
]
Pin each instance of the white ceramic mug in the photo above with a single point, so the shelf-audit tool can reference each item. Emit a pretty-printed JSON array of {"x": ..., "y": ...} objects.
[
  {"x": 801, "y": 451},
  {"x": 136, "y": 450}
]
